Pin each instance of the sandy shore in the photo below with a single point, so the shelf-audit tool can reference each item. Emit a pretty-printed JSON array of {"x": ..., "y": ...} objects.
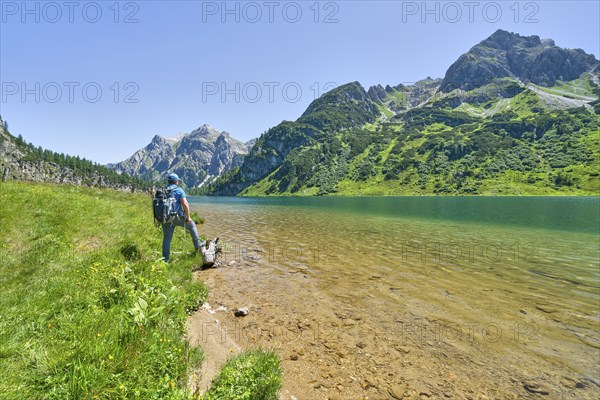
[{"x": 343, "y": 340}]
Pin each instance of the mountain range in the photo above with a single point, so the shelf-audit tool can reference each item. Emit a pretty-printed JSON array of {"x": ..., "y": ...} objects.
[
  {"x": 514, "y": 115},
  {"x": 197, "y": 157}
]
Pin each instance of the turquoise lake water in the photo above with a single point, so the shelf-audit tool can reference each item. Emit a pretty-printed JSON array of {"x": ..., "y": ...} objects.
[
  {"x": 579, "y": 214},
  {"x": 466, "y": 259}
]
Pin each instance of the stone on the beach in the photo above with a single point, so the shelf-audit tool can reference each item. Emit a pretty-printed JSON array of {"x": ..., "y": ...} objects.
[
  {"x": 535, "y": 387},
  {"x": 396, "y": 392},
  {"x": 241, "y": 312}
]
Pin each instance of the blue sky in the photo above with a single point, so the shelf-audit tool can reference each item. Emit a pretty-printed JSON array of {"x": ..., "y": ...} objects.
[{"x": 100, "y": 79}]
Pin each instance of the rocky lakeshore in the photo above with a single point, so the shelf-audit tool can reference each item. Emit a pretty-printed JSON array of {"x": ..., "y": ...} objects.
[{"x": 338, "y": 343}]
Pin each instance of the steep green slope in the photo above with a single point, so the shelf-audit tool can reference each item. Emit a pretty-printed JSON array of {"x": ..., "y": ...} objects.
[
  {"x": 514, "y": 115},
  {"x": 495, "y": 146},
  {"x": 344, "y": 107}
]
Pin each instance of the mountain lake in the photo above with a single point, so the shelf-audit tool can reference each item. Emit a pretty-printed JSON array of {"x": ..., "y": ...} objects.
[{"x": 413, "y": 297}]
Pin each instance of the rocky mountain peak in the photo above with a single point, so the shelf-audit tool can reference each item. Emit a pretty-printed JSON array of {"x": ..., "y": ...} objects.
[
  {"x": 158, "y": 140},
  {"x": 223, "y": 137},
  {"x": 205, "y": 131},
  {"x": 528, "y": 58},
  {"x": 342, "y": 94},
  {"x": 504, "y": 40},
  {"x": 161, "y": 141},
  {"x": 197, "y": 157}
]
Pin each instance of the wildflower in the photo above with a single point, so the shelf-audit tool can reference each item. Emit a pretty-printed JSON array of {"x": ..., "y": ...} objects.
[{"x": 110, "y": 357}]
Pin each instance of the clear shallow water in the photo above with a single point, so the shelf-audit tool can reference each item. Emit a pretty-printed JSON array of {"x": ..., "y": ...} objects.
[
  {"x": 532, "y": 260},
  {"x": 551, "y": 240}
]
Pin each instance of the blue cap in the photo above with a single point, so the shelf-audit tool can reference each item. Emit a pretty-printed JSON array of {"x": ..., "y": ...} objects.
[{"x": 173, "y": 177}]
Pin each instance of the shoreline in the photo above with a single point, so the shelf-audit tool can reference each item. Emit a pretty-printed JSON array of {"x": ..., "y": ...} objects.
[
  {"x": 331, "y": 350},
  {"x": 369, "y": 319}
]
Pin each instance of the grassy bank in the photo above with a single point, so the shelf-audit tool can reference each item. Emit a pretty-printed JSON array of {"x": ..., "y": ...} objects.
[
  {"x": 87, "y": 309},
  {"x": 251, "y": 375}
]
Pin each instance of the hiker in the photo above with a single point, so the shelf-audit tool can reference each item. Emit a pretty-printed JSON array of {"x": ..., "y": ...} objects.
[{"x": 183, "y": 218}]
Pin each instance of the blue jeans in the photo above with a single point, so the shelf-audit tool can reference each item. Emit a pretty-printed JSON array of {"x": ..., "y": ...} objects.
[{"x": 168, "y": 230}]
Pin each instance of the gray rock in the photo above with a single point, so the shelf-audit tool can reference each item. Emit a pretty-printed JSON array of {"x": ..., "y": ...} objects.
[
  {"x": 536, "y": 387},
  {"x": 241, "y": 312}
]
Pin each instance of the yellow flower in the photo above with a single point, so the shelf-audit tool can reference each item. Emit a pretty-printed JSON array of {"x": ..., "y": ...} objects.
[
  {"x": 121, "y": 386},
  {"x": 110, "y": 357}
]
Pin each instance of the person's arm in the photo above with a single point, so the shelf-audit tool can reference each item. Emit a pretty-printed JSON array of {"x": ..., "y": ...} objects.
[{"x": 186, "y": 209}]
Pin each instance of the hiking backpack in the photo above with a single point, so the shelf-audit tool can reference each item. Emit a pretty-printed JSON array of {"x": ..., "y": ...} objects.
[{"x": 164, "y": 205}]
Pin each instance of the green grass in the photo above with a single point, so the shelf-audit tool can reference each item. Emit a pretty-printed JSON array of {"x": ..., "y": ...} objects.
[
  {"x": 579, "y": 88},
  {"x": 88, "y": 311},
  {"x": 386, "y": 112},
  {"x": 78, "y": 319},
  {"x": 495, "y": 107},
  {"x": 253, "y": 375}
]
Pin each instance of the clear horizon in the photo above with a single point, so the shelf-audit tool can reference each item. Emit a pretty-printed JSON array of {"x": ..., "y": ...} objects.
[{"x": 101, "y": 79}]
